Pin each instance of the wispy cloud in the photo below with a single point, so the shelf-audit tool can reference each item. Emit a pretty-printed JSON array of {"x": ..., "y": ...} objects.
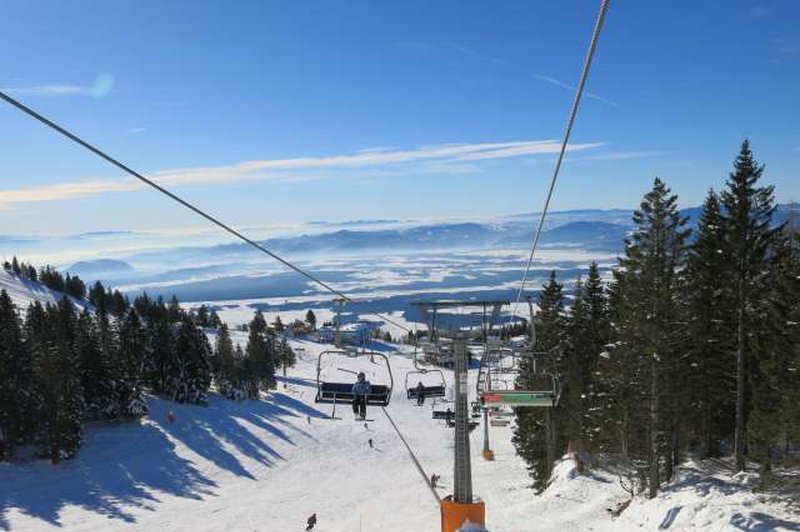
[
  {"x": 471, "y": 53},
  {"x": 786, "y": 47},
  {"x": 453, "y": 52},
  {"x": 445, "y": 168},
  {"x": 48, "y": 89},
  {"x": 100, "y": 88},
  {"x": 621, "y": 156},
  {"x": 61, "y": 191},
  {"x": 571, "y": 88},
  {"x": 137, "y": 130},
  {"x": 436, "y": 159},
  {"x": 761, "y": 10}
]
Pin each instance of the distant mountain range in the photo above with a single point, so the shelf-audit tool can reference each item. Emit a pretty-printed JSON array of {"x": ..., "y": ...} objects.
[{"x": 101, "y": 269}]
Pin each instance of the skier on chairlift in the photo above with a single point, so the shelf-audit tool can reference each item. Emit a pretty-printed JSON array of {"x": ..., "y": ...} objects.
[
  {"x": 420, "y": 394},
  {"x": 361, "y": 390}
]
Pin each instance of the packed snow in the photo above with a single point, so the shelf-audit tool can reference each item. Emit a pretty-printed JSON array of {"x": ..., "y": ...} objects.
[
  {"x": 23, "y": 292},
  {"x": 267, "y": 465}
]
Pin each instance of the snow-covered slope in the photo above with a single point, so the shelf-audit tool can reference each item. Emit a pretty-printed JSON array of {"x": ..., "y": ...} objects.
[
  {"x": 23, "y": 292},
  {"x": 268, "y": 465}
]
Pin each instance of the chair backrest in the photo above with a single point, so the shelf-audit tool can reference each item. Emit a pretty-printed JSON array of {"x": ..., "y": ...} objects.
[{"x": 342, "y": 392}]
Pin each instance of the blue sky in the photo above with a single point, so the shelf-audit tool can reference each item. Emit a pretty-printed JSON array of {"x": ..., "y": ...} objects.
[{"x": 279, "y": 112}]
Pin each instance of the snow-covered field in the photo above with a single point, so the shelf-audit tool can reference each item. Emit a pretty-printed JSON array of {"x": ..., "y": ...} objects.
[{"x": 267, "y": 465}]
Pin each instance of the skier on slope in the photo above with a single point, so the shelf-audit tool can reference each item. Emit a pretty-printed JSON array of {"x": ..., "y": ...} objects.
[
  {"x": 312, "y": 522},
  {"x": 361, "y": 390}
]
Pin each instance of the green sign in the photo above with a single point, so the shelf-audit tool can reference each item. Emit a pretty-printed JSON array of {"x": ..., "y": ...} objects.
[{"x": 519, "y": 398}]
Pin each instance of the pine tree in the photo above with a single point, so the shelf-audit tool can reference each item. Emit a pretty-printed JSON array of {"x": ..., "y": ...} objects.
[
  {"x": 749, "y": 238},
  {"x": 161, "y": 362},
  {"x": 650, "y": 332},
  {"x": 711, "y": 380},
  {"x": 174, "y": 310},
  {"x": 193, "y": 353},
  {"x": 225, "y": 375},
  {"x": 311, "y": 319},
  {"x": 245, "y": 374},
  {"x": 582, "y": 396},
  {"x": 96, "y": 370},
  {"x": 130, "y": 364},
  {"x": 284, "y": 356},
  {"x": 202, "y": 316},
  {"x": 214, "y": 320},
  {"x": 774, "y": 420},
  {"x": 260, "y": 351},
  {"x": 14, "y": 379},
  {"x": 536, "y": 437},
  {"x": 56, "y": 375}
]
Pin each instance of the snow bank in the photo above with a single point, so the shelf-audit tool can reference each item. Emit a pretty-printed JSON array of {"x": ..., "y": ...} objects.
[
  {"x": 23, "y": 292},
  {"x": 704, "y": 497},
  {"x": 472, "y": 527}
]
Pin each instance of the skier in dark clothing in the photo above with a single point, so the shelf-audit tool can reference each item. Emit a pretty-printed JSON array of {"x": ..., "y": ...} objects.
[
  {"x": 361, "y": 390},
  {"x": 312, "y": 522},
  {"x": 420, "y": 393}
]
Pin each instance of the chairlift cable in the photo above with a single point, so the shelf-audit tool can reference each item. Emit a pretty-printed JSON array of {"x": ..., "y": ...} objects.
[
  {"x": 103, "y": 155},
  {"x": 570, "y": 122},
  {"x": 422, "y": 472}
]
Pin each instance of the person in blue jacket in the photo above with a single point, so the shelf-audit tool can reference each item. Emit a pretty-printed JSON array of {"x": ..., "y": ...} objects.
[{"x": 361, "y": 390}]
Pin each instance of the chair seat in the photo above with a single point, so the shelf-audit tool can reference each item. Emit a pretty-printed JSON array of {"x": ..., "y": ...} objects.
[
  {"x": 342, "y": 392},
  {"x": 429, "y": 391}
]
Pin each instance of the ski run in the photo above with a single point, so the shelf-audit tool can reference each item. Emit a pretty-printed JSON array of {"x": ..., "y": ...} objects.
[{"x": 267, "y": 465}]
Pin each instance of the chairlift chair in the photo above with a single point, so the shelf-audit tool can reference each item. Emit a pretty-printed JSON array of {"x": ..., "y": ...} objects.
[
  {"x": 435, "y": 390},
  {"x": 339, "y": 391},
  {"x": 541, "y": 392}
]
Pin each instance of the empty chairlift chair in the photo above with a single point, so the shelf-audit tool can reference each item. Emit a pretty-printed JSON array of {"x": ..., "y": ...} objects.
[
  {"x": 541, "y": 390},
  {"x": 331, "y": 391}
]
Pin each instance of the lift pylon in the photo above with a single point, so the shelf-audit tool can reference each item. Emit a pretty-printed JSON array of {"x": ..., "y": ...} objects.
[{"x": 461, "y": 507}]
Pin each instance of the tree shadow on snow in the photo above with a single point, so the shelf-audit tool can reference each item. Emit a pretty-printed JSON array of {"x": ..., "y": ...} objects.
[
  {"x": 132, "y": 464},
  {"x": 117, "y": 468},
  {"x": 760, "y": 522},
  {"x": 703, "y": 484},
  {"x": 669, "y": 518},
  {"x": 297, "y": 381}
]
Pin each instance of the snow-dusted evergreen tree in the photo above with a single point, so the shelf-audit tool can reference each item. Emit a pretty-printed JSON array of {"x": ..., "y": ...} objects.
[
  {"x": 15, "y": 375},
  {"x": 225, "y": 372},
  {"x": 311, "y": 319},
  {"x": 56, "y": 377},
  {"x": 535, "y": 437},
  {"x": 284, "y": 356},
  {"x": 750, "y": 238},
  {"x": 583, "y": 397},
  {"x": 649, "y": 331},
  {"x": 193, "y": 354},
  {"x": 774, "y": 416},
  {"x": 97, "y": 368},
  {"x": 712, "y": 378},
  {"x": 245, "y": 374},
  {"x": 130, "y": 365},
  {"x": 260, "y": 351},
  {"x": 161, "y": 362}
]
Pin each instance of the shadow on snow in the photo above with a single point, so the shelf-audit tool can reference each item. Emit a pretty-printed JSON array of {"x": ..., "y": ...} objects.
[{"x": 133, "y": 464}]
